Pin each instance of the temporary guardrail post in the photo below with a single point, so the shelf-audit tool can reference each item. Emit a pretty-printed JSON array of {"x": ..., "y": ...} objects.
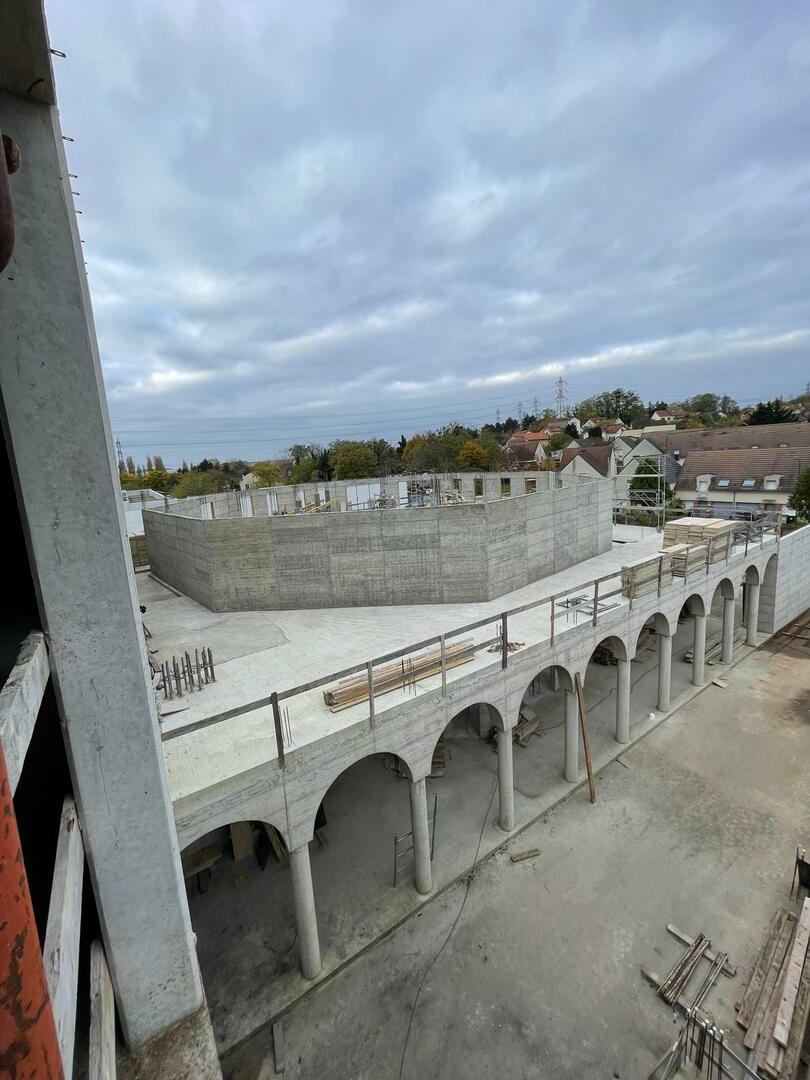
[
  {"x": 443, "y": 650},
  {"x": 277, "y": 724},
  {"x": 660, "y": 573},
  {"x": 595, "y": 600},
  {"x": 504, "y": 641},
  {"x": 370, "y": 671},
  {"x": 552, "y": 602}
]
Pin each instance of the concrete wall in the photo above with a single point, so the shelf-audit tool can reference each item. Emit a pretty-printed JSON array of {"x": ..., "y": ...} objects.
[
  {"x": 449, "y": 554},
  {"x": 785, "y": 592}
]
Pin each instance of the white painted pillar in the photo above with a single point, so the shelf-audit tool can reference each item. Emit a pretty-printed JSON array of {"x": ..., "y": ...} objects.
[
  {"x": 417, "y": 790},
  {"x": 623, "y": 701},
  {"x": 753, "y": 614},
  {"x": 571, "y": 737},
  {"x": 664, "y": 671},
  {"x": 727, "y": 648},
  {"x": 699, "y": 650},
  {"x": 306, "y": 921},
  {"x": 56, "y": 410},
  {"x": 506, "y": 784}
]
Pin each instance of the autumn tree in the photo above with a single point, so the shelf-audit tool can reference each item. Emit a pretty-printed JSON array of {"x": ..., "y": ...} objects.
[
  {"x": 351, "y": 460},
  {"x": 472, "y": 456},
  {"x": 267, "y": 473}
]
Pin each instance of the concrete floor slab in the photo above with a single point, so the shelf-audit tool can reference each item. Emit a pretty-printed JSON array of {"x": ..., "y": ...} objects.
[
  {"x": 532, "y": 970},
  {"x": 245, "y": 922}
]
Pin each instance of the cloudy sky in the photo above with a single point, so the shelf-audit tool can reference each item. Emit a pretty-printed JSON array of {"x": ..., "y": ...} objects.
[{"x": 313, "y": 220}]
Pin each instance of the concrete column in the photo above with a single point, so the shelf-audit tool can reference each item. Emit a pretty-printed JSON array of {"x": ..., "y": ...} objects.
[
  {"x": 753, "y": 614},
  {"x": 623, "y": 701},
  {"x": 306, "y": 921},
  {"x": 727, "y": 648},
  {"x": 506, "y": 785},
  {"x": 664, "y": 671},
  {"x": 421, "y": 836},
  {"x": 699, "y": 650},
  {"x": 571, "y": 737},
  {"x": 55, "y": 409}
]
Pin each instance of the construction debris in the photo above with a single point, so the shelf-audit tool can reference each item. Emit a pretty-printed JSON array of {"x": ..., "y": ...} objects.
[
  {"x": 522, "y": 856},
  {"x": 185, "y": 674},
  {"x": 399, "y": 675},
  {"x": 774, "y": 1007}
]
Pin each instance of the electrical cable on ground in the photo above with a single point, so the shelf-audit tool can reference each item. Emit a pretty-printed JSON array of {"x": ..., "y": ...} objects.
[{"x": 470, "y": 876}]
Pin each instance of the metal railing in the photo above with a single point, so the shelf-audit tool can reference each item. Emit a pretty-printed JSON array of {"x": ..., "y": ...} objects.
[
  {"x": 401, "y": 852},
  {"x": 591, "y": 603}
]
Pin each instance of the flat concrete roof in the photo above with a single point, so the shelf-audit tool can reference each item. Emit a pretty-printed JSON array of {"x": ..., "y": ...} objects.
[{"x": 256, "y": 653}]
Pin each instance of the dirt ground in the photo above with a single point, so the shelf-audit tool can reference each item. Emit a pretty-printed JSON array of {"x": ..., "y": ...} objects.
[{"x": 532, "y": 970}]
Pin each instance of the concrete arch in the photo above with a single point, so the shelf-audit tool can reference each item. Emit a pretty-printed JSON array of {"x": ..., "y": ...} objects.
[
  {"x": 495, "y": 714},
  {"x": 726, "y": 588},
  {"x": 303, "y": 822},
  {"x": 223, "y": 821},
  {"x": 662, "y": 625},
  {"x": 618, "y": 647},
  {"x": 751, "y": 575},
  {"x": 565, "y": 676},
  {"x": 695, "y": 604}
]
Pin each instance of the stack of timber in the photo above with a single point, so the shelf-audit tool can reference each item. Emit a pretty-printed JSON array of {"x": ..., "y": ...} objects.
[
  {"x": 686, "y": 559},
  {"x": 528, "y": 723},
  {"x": 641, "y": 578},
  {"x": 398, "y": 675},
  {"x": 775, "y": 1005},
  {"x": 689, "y": 530}
]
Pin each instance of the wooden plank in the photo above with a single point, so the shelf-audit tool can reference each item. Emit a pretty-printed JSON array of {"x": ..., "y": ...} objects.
[
  {"x": 795, "y": 967},
  {"x": 61, "y": 952},
  {"x": 521, "y": 856},
  {"x": 763, "y": 962},
  {"x": 797, "y": 1026},
  {"x": 241, "y": 840},
  {"x": 584, "y": 727},
  {"x": 727, "y": 968},
  {"x": 102, "y": 1017},
  {"x": 279, "y": 850},
  {"x": 20, "y": 700},
  {"x": 771, "y": 979}
]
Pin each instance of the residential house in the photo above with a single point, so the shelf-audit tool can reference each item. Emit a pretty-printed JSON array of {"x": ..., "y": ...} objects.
[
  {"x": 740, "y": 437},
  {"x": 670, "y": 414},
  {"x": 527, "y": 445},
  {"x": 598, "y": 460},
  {"x": 741, "y": 483}
]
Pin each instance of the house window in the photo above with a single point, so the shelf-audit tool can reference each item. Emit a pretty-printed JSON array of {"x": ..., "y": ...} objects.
[
  {"x": 478, "y": 487},
  {"x": 771, "y": 483},
  {"x": 531, "y": 485},
  {"x": 457, "y": 483},
  {"x": 506, "y": 486},
  {"x": 748, "y": 483},
  {"x": 723, "y": 483}
]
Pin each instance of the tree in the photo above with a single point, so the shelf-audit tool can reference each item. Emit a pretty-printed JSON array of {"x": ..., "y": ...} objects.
[
  {"x": 267, "y": 473},
  {"x": 610, "y": 404},
  {"x": 305, "y": 471},
  {"x": 149, "y": 463},
  {"x": 196, "y": 482},
  {"x": 595, "y": 432},
  {"x": 558, "y": 441},
  {"x": 800, "y": 499},
  {"x": 729, "y": 406},
  {"x": 298, "y": 451},
  {"x": 571, "y": 429},
  {"x": 159, "y": 480},
  {"x": 159, "y": 463},
  {"x": 129, "y": 481},
  {"x": 771, "y": 412},
  {"x": 351, "y": 460},
  {"x": 130, "y": 465},
  {"x": 473, "y": 456}
]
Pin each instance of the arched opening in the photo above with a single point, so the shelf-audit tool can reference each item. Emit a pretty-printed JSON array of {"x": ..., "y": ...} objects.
[
  {"x": 351, "y": 854},
  {"x": 464, "y": 773},
  {"x": 539, "y": 732},
  {"x": 651, "y": 671},
  {"x": 606, "y": 691},
  {"x": 767, "y": 600},
  {"x": 725, "y": 629},
  {"x": 243, "y": 914},
  {"x": 750, "y": 603}
]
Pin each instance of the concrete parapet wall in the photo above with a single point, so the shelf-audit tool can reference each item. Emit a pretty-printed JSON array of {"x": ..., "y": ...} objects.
[
  {"x": 449, "y": 554},
  {"x": 785, "y": 592}
]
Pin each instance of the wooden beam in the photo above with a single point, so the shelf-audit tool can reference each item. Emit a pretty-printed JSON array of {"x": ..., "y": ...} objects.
[
  {"x": 20, "y": 700},
  {"x": 102, "y": 1017},
  {"x": 583, "y": 723},
  {"x": 61, "y": 952},
  {"x": 798, "y": 952}
]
